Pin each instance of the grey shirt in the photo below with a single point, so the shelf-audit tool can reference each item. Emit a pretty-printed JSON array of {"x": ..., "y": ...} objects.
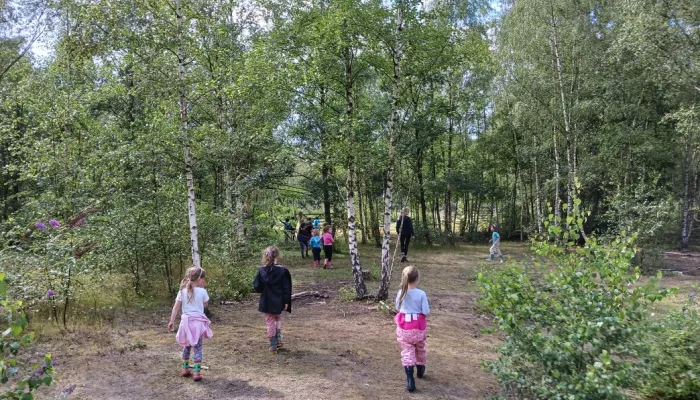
[{"x": 415, "y": 302}]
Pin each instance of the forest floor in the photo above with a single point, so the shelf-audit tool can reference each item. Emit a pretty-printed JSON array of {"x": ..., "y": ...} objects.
[{"x": 334, "y": 349}]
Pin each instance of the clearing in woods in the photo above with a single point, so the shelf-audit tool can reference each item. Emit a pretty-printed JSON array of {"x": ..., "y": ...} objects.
[{"x": 333, "y": 349}]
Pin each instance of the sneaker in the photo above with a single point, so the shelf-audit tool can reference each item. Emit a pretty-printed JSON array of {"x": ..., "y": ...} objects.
[{"x": 501, "y": 261}]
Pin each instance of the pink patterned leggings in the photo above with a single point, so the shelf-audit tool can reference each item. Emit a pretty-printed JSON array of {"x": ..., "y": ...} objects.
[
  {"x": 412, "y": 343},
  {"x": 273, "y": 322}
]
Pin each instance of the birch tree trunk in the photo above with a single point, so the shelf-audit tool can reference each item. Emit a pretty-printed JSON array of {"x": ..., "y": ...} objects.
[
  {"x": 396, "y": 50},
  {"x": 191, "y": 207},
  {"x": 557, "y": 198},
  {"x": 538, "y": 199},
  {"x": 373, "y": 217},
  {"x": 689, "y": 194},
  {"x": 448, "y": 194},
  {"x": 360, "y": 288},
  {"x": 363, "y": 214},
  {"x": 567, "y": 124},
  {"x": 421, "y": 196}
]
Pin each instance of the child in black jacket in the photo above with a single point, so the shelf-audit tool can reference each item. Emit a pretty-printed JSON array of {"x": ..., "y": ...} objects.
[{"x": 274, "y": 283}]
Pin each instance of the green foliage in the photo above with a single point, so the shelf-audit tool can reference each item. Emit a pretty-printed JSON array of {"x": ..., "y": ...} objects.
[
  {"x": 674, "y": 358},
  {"x": 12, "y": 340},
  {"x": 346, "y": 294},
  {"x": 644, "y": 209},
  {"x": 575, "y": 321},
  {"x": 232, "y": 283}
]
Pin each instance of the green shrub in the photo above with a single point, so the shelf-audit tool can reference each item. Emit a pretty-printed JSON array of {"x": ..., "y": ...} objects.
[
  {"x": 12, "y": 340},
  {"x": 346, "y": 294},
  {"x": 234, "y": 283},
  {"x": 574, "y": 322},
  {"x": 674, "y": 358}
]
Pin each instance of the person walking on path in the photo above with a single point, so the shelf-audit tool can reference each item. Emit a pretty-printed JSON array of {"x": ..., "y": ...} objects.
[
  {"x": 303, "y": 239},
  {"x": 328, "y": 240},
  {"x": 411, "y": 324},
  {"x": 496, "y": 246},
  {"x": 194, "y": 325},
  {"x": 316, "y": 244},
  {"x": 274, "y": 283},
  {"x": 405, "y": 233}
]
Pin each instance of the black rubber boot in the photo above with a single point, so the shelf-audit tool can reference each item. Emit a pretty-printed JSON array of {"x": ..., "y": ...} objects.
[
  {"x": 420, "y": 370},
  {"x": 410, "y": 381}
]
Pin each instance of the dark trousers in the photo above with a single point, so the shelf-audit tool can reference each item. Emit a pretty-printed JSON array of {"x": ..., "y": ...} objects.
[
  {"x": 304, "y": 243},
  {"x": 328, "y": 250},
  {"x": 317, "y": 253},
  {"x": 404, "y": 240}
]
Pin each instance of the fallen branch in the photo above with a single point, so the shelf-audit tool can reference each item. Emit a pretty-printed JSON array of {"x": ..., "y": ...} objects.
[
  {"x": 675, "y": 254},
  {"x": 308, "y": 294}
]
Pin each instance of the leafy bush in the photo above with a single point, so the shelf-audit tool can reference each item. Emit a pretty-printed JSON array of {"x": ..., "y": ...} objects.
[
  {"x": 232, "y": 284},
  {"x": 346, "y": 294},
  {"x": 574, "y": 322},
  {"x": 13, "y": 339},
  {"x": 674, "y": 358}
]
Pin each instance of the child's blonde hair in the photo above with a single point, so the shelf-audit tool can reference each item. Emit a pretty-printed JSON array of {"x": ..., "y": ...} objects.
[
  {"x": 270, "y": 254},
  {"x": 327, "y": 228},
  {"x": 314, "y": 232},
  {"x": 193, "y": 274},
  {"x": 409, "y": 275}
]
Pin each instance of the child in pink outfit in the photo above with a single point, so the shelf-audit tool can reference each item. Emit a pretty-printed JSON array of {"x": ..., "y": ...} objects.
[
  {"x": 327, "y": 240},
  {"x": 194, "y": 325},
  {"x": 411, "y": 324}
]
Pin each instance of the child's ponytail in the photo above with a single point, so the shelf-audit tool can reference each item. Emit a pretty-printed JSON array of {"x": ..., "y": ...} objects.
[
  {"x": 193, "y": 274},
  {"x": 269, "y": 256},
  {"x": 408, "y": 276}
]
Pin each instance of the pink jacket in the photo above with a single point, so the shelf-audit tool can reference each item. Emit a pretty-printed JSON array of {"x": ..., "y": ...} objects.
[
  {"x": 192, "y": 327},
  {"x": 327, "y": 239}
]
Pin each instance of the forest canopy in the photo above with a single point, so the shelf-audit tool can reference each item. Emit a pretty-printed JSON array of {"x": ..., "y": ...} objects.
[{"x": 162, "y": 133}]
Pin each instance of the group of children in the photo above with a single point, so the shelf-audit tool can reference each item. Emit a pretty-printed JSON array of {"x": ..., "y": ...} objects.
[
  {"x": 274, "y": 283},
  {"x": 308, "y": 236}
]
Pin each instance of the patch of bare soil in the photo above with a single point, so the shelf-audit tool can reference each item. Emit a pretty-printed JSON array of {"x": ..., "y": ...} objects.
[
  {"x": 333, "y": 349},
  {"x": 682, "y": 263}
]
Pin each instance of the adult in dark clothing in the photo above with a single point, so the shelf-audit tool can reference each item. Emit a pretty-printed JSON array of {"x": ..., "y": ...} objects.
[
  {"x": 274, "y": 283},
  {"x": 405, "y": 233},
  {"x": 303, "y": 238}
]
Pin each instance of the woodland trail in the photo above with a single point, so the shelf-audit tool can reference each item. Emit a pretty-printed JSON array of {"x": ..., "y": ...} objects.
[{"x": 333, "y": 349}]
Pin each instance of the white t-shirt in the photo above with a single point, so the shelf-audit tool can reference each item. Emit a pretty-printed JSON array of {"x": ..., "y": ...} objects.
[{"x": 196, "y": 305}]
